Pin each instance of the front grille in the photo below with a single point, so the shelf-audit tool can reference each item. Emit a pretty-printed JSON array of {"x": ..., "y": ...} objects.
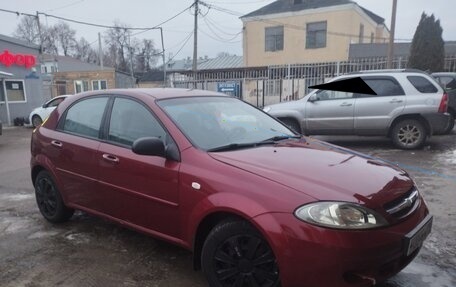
[{"x": 403, "y": 205}]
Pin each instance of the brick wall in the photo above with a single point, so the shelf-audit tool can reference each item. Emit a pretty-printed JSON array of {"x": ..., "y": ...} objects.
[{"x": 89, "y": 76}]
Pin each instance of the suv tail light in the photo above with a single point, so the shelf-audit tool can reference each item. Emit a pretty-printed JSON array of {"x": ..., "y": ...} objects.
[{"x": 443, "y": 108}]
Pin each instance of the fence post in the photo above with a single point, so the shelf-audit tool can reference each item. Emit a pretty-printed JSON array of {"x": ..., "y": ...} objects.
[{"x": 338, "y": 69}]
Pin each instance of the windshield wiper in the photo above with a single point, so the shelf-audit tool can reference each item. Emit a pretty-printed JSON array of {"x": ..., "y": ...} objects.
[
  {"x": 232, "y": 146},
  {"x": 235, "y": 146},
  {"x": 283, "y": 137}
]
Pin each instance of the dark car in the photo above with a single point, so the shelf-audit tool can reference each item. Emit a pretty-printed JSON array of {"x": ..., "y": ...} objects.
[
  {"x": 256, "y": 203},
  {"x": 448, "y": 82}
]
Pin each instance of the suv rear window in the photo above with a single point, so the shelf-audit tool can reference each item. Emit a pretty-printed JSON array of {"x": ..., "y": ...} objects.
[
  {"x": 422, "y": 84},
  {"x": 383, "y": 87}
]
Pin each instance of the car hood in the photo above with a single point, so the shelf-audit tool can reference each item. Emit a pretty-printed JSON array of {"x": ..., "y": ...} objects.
[{"x": 323, "y": 171}]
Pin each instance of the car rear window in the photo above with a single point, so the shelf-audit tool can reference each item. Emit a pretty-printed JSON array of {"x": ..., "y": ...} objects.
[
  {"x": 422, "y": 84},
  {"x": 383, "y": 87}
]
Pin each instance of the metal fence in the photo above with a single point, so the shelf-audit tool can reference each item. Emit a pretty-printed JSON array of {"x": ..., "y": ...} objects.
[{"x": 273, "y": 84}]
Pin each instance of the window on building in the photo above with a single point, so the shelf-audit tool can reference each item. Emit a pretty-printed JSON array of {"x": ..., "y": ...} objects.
[
  {"x": 99, "y": 85},
  {"x": 316, "y": 35},
  {"x": 273, "y": 88},
  {"x": 61, "y": 87},
  {"x": 273, "y": 39},
  {"x": 81, "y": 86},
  {"x": 361, "y": 33},
  {"x": 15, "y": 91}
]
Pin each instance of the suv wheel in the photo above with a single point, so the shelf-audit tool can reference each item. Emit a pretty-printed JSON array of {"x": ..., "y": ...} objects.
[
  {"x": 235, "y": 254},
  {"x": 409, "y": 134}
]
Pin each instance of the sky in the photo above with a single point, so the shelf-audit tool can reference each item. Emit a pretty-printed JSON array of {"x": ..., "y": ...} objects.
[{"x": 219, "y": 31}]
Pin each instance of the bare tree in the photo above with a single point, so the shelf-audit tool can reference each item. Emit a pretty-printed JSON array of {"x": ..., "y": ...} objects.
[
  {"x": 84, "y": 52},
  {"x": 27, "y": 30},
  {"x": 145, "y": 56},
  {"x": 65, "y": 37},
  {"x": 117, "y": 41}
]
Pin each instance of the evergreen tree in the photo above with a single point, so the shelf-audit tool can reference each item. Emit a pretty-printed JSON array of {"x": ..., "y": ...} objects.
[{"x": 427, "y": 52}]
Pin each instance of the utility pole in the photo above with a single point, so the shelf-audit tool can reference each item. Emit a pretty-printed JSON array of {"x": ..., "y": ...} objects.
[
  {"x": 100, "y": 51},
  {"x": 163, "y": 56},
  {"x": 37, "y": 17},
  {"x": 195, "y": 43},
  {"x": 391, "y": 40}
]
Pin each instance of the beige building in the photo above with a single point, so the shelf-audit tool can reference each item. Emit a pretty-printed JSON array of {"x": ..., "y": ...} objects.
[{"x": 308, "y": 31}]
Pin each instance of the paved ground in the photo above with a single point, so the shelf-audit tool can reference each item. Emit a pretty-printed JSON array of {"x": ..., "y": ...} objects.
[{"x": 92, "y": 252}]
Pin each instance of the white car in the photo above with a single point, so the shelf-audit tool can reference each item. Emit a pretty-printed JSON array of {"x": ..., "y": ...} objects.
[{"x": 38, "y": 115}]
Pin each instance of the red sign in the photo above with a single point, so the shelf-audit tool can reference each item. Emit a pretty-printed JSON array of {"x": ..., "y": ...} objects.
[{"x": 8, "y": 59}]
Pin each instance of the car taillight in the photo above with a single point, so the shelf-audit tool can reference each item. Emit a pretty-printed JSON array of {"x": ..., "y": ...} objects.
[{"x": 443, "y": 108}]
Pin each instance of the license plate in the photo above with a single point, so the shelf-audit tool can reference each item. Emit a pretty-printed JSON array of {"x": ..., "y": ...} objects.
[{"x": 415, "y": 238}]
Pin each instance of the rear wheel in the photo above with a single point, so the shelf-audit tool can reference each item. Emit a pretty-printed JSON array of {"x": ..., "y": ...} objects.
[
  {"x": 235, "y": 254},
  {"x": 409, "y": 134},
  {"x": 49, "y": 199},
  {"x": 36, "y": 121}
]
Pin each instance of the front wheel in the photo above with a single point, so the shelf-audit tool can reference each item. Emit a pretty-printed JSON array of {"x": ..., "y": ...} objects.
[
  {"x": 409, "y": 134},
  {"x": 36, "y": 121},
  {"x": 235, "y": 254}
]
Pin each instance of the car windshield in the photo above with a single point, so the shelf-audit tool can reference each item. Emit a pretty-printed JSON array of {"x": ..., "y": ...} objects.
[{"x": 213, "y": 123}]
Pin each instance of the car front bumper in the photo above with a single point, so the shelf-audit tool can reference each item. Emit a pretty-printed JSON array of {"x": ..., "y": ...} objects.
[{"x": 313, "y": 256}]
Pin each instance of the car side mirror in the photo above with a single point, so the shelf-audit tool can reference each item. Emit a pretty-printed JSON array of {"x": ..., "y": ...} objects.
[
  {"x": 44, "y": 106},
  {"x": 152, "y": 146},
  {"x": 313, "y": 98}
]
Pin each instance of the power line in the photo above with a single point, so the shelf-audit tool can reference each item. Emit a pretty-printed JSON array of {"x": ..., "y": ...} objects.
[
  {"x": 66, "y": 6},
  {"x": 219, "y": 40},
  {"x": 183, "y": 45}
]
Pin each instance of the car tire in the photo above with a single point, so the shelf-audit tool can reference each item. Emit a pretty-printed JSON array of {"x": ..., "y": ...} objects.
[
  {"x": 49, "y": 199},
  {"x": 36, "y": 121},
  {"x": 292, "y": 124},
  {"x": 450, "y": 126},
  {"x": 235, "y": 254},
  {"x": 409, "y": 134}
]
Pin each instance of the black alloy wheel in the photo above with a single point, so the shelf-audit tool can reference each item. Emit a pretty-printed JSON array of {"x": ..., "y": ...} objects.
[
  {"x": 49, "y": 199},
  {"x": 235, "y": 254}
]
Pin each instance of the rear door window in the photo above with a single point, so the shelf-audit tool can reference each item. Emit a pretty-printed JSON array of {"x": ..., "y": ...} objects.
[
  {"x": 84, "y": 117},
  {"x": 422, "y": 84},
  {"x": 383, "y": 87}
]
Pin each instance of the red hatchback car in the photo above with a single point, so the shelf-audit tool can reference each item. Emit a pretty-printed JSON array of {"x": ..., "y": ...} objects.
[{"x": 256, "y": 203}]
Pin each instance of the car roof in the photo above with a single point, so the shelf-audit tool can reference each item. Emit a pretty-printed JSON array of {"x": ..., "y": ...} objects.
[
  {"x": 159, "y": 93},
  {"x": 444, "y": 74}
]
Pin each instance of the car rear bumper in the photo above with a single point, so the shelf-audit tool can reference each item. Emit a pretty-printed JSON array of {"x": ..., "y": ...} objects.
[
  {"x": 437, "y": 122},
  {"x": 313, "y": 256}
]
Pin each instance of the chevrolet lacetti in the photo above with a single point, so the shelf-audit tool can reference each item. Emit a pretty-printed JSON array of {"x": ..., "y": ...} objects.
[{"x": 256, "y": 203}]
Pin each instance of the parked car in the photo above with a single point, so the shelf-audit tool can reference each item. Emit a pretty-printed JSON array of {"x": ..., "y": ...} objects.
[
  {"x": 409, "y": 107},
  {"x": 38, "y": 115},
  {"x": 256, "y": 203},
  {"x": 448, "y": 82}
]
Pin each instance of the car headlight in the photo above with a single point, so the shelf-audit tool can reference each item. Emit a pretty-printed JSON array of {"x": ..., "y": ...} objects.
[
  {"x": 266, "y": 109},
  {"x": 341, "y": 215}
]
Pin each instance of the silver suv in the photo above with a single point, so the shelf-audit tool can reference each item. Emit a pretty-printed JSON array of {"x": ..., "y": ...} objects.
[{"x": 409, "y": 107}]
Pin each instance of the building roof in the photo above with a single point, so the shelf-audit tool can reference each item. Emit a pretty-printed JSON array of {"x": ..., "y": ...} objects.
[
  {"x": 224, "y": 62},
  {"x": 282, "y": 6},
  {"x": 19, "y": 42},
  {"x": 357, "y": 51},
  {"x": 70, "y": 64}
]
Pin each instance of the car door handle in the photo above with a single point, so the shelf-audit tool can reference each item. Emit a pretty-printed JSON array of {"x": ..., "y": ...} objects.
[
  {"x": 111, "y": 158},
  {"x": 56, "y": 143},
  {"x": 346, "y": 104},
  {"x": 395, "y": 101}
]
